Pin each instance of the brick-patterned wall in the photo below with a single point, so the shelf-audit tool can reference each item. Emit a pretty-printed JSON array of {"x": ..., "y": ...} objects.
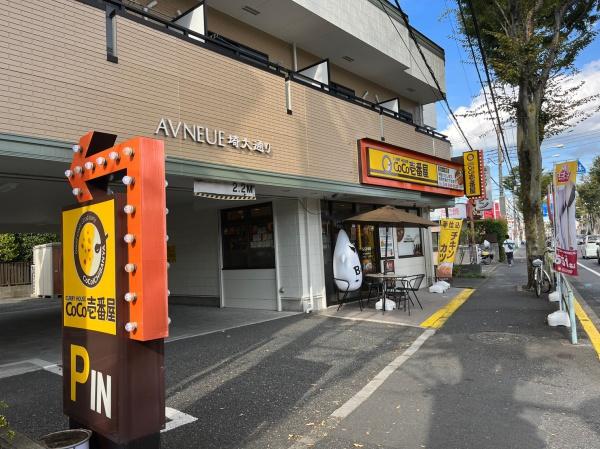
[{"x": 55, "y": 83}]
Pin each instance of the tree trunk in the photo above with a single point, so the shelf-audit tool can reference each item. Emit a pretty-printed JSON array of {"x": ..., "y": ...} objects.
[{"x": 530, "y": 170}]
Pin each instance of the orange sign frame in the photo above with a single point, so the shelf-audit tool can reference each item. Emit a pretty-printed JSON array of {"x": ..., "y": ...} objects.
[{"x": 143, "y": 161}]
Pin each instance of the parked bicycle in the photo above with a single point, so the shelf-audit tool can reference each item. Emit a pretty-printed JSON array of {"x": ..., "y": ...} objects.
[{"x": 542, "y": 281}]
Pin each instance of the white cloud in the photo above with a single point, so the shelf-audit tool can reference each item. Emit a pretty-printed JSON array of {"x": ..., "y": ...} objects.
[{"x": 579, "y": 141}]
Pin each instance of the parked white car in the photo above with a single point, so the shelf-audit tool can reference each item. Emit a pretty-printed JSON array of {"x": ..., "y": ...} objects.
[{"x": 588, "y": 247}]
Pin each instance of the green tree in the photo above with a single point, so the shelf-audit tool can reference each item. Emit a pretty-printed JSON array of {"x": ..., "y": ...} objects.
[
  {"x": 9, "y": 247},
  {"x": 511, "y": 183},
  {"x": 19, "y": 247},
  {"x": 28, "y": 241},
  {"x": 531, "y": 45},
  {"x": 588, "y": 198}
]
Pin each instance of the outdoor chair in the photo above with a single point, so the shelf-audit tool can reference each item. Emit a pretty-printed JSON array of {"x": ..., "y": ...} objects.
[
  {"x": 412, "y": 284},
  {"x": 399, "y": 294},
  {"x": 373, "y": 284}
]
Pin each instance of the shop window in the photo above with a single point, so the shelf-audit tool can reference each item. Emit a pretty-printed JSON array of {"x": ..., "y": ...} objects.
[
  {"x": 366, "y": 247},
  {"x": 247, "y": 235},
  {"x": 408, "y": 242}
]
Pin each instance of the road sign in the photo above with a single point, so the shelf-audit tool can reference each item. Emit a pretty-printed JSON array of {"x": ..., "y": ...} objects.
[{"x": 580, "y": 168}]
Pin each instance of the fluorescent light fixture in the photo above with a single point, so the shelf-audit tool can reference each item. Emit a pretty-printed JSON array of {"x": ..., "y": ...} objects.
[
  {"x": 152, "y": 4},
  {"x": 364, "y": 95}
]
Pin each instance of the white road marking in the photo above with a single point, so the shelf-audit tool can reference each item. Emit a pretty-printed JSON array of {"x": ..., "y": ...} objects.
[
  {"x": 176, "y": 419},
  {"x": 589, "y": 269},
  {"x": 353, "y": 403},
  {"x": 174, "y": 416},
  {"x": 370, "y": 320},
  {"x": 224, "y": 329}
]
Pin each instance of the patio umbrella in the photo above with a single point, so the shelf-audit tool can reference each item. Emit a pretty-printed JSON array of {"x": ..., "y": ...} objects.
[{"x": 390, "y": 216}]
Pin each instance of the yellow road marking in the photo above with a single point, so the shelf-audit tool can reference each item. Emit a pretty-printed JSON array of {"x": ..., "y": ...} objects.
[
  {"x": 588, "y": 326},
  {"x": 438, "y": 319}
]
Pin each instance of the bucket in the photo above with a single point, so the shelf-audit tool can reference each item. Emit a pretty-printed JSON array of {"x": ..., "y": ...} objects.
[{"x": 67, "y": 439}]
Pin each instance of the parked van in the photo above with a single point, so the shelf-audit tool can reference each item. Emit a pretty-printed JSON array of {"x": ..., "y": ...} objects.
[{"x": 588, "y": 247}]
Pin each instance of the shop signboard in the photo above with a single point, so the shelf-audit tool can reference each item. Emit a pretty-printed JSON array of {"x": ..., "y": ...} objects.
[
  {"x": 486, "y": 203},
  {"x": 474, "y": 174},
  {"x": 114, "y": 309},
  {"x": 458, "y": 211},
  {"x": 448, "y": 246},
  {"x": 391, "y": 166},
  {"x": 176, "y": 129},
  {"x": 565, "y": 176}
]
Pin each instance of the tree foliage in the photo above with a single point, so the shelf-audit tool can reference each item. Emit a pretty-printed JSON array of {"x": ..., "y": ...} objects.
[
  {"x": 588, "y": 198},
  {"x": 511, "y": 183},
  {"x": 531, "y": 45},
  {"x": 9, "y": 247},
  {"x": 19, "y": 247}
]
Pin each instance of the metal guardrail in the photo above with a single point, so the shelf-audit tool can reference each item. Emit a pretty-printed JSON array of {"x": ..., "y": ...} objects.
[
  {"x": 568, "y": 301},
  {"x": 15, "y": 273}
]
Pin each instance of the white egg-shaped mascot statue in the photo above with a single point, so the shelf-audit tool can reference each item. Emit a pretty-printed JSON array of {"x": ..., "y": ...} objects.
[{"x": 346, "y": 264}]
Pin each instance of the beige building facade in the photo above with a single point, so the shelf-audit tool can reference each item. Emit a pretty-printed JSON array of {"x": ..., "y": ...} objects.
[{"x": 231, "y": 99}]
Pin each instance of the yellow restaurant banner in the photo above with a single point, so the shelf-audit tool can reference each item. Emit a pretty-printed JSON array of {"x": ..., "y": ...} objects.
[
  {"x": 89, "y": 267},
  {"x": 401, "y": 168},
  {"x": 448, "y": 246},
  {"x": 472, "y": 161}
]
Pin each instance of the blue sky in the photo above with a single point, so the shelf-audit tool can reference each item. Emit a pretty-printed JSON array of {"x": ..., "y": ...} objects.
[{"x": 462, "y": 84}]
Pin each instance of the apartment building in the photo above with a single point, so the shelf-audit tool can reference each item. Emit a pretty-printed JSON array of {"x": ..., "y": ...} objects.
[{"x": 280, "y": 119}]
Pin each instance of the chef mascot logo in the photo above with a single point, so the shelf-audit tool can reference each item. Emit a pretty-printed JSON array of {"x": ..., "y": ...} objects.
[
  {"x": 346, "y": 264},
  {"x": 89, "y": 247}
]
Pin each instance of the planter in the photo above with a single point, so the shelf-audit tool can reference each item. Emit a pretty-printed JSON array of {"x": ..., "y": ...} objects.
[{"x": 67, "y": 439}]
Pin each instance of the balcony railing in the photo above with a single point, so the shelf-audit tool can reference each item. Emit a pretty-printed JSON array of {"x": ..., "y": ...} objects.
[{"x": 228, "y": 48}]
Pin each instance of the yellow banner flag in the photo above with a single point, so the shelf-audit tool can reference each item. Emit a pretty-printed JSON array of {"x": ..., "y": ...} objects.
[{"x": 448, "y": 246}]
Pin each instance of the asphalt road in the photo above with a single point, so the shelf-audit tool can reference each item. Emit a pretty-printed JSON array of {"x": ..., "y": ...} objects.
[
  {"x": 258, "y": 386},
  {"x": 495, "y": 376},
  {"x": 587, "y": 283}
]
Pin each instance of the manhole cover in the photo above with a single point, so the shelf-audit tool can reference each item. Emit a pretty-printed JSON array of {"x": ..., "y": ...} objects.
[{"x": 491, "y": 338}]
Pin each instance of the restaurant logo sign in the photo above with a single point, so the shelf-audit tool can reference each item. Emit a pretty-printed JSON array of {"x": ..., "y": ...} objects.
[
  {"x": 210, "y": 136},
  {"x": 89, "y": 268},
  {"x": 473, "y": 169},
  {"x": 390, "y": 166}
]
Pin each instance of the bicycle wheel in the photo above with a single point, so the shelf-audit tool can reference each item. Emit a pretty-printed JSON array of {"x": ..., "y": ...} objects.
[
  {"x": 546, "y": 282},
  {"x": 537, "y": 283}
]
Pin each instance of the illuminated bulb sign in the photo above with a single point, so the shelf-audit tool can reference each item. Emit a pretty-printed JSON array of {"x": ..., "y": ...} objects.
[{"x": 115, "y": 298}]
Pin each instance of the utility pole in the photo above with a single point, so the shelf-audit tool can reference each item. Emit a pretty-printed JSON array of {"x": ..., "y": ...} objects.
[{"x": 501, "y": 186}]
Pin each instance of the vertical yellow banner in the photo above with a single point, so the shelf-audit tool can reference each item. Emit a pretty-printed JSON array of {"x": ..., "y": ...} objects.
[
  {"x": 448, "y": 246},
  {"x": 472, "y": 161}
]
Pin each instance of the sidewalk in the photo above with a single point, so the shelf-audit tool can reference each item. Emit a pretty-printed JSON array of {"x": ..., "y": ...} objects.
[{"x": 495, "y": 376}]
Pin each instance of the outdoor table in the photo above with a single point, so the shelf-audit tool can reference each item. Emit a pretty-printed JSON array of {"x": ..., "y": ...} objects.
[{"x": 385, "y": 277}]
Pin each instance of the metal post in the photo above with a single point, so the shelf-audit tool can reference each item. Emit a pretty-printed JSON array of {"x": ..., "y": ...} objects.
[
  {"x": 571, "y": 303},
  {"x": 501, "y": 196}
]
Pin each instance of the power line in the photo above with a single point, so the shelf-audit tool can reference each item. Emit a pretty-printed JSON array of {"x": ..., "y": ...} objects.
[
  {"x": 437, "y": 84},
  {"x": 487, "y": 73}
]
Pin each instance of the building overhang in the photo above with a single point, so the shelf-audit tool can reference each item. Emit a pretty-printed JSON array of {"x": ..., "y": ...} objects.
[{"x": 387, "y": 65}]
